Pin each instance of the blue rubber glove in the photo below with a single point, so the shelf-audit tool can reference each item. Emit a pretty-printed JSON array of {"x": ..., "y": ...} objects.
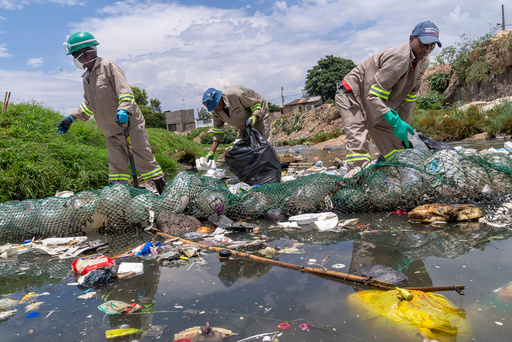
[
  {"x": 122, "y": 117},
  {"x": 401, "y": 127},
  {"x": 64, "y": 124},
  {"x": 251, "y": 121}
]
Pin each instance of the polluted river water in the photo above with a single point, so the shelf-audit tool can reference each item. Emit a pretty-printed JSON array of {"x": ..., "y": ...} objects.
[{"x": 258, "y": 301}]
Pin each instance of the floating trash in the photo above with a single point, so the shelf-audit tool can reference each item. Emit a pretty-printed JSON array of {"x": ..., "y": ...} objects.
[{"x": 382, "y": 273}]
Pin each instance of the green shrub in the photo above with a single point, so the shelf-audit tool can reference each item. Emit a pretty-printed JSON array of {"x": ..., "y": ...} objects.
[
  {"x": 207, "y": 138},
  {"x": 432, "y": 100},
  {"x": 438, "y": 81}
]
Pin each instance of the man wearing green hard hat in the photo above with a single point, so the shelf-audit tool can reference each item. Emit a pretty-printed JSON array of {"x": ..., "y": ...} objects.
[{"x": 109, "y": 97}]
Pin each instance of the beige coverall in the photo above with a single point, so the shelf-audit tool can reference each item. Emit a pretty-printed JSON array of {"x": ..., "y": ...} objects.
[
  {"x": 242, "y": 103},
  {"x": 106, "y": 90},
  {"x": 385, "y": 80}
]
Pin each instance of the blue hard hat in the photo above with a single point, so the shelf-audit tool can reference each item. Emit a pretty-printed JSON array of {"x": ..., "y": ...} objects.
[{"x": 211, "y": 98}]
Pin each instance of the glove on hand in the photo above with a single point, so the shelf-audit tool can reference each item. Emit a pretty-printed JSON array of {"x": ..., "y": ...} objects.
[
  {"x": 122, "y": 117},
  {"x": 209, "y": 155},
  {"x": 64, "y": 124},
  {"x": 251, "y": 121},
  {"x": 401, "y": 127}
]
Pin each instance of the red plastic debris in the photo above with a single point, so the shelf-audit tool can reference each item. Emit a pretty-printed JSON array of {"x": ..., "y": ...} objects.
[
  {"x": 399, "y": 212},
  {"x": 284, "y": 326},
  {"x": 304, "y": 326}
]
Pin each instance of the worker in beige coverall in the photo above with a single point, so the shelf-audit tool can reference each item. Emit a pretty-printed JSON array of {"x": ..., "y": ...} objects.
[
  {"x": 109, "y": 97},
  {"x": 236, "y": 105},
  {"x": 377, "y": 97}
]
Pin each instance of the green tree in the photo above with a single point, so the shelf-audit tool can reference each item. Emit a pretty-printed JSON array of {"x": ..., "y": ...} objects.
[
  {"x": 321, "y": 80},
  {"x": 273, "y": 107},
  {"x": 150, "y": 108},
  {"x": 140, "y": 96},
  {"x": 156, "y": 105},
  {"x": 203, "y": 114}
]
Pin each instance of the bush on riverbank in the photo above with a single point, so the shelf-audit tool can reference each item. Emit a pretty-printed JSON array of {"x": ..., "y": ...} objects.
[
  {"x": 36, "y": 161},
  {"x": 449, "y": 124}
]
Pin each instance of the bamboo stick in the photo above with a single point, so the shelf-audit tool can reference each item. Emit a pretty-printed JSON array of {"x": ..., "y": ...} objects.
[
  {"x": 6, "y": 102},
  {"x": 316, "y": 271}
]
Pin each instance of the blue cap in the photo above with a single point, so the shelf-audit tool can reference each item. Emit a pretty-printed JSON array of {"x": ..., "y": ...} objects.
[
  {"x": 428, "y": 33},
  {"x": 211, "y": 98}
]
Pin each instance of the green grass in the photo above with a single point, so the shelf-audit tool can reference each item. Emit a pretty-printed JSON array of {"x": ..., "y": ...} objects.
[{"x": 36, "y": 161}]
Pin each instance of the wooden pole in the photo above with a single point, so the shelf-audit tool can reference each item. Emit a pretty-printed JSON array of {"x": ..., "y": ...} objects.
[
  {"x": 316, "y": 271},
  {"x": 6, "y": 101}
]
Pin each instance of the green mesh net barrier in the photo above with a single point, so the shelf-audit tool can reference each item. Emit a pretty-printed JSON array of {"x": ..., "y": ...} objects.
[{"x": 413, "y": 178}]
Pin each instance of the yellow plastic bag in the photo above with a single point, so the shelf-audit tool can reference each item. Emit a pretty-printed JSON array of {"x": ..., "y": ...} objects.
[{"x": 430, "y": 314}]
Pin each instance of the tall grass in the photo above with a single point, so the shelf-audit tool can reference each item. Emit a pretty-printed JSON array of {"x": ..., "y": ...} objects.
[{"x": 36, "y": 161}]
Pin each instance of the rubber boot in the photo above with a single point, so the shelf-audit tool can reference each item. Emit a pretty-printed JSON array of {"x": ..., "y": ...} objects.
[{"x": 160, "y": 185}]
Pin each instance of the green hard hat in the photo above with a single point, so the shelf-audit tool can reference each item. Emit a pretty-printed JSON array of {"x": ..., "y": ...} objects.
[{"x": 79, "y": 40}]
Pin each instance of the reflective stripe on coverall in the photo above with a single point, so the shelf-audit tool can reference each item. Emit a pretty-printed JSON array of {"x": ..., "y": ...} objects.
[
  {"x": 385, "y": 80},
  {"x": 106, "y": 90},
  {"x": 242, "y": 103}
]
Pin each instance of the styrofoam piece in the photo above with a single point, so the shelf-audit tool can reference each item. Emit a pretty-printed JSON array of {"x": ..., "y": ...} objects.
[
  {"x": 311, "y": 218},
  {"x": 288, "y": 224},
  {"x": 325, "y": 225},
  {"x": 508, "y": 146},
  {"x": 126, "y": 267}
]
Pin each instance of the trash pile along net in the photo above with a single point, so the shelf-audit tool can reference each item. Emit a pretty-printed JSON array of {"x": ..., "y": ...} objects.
[{"x": 413, "y": 178}]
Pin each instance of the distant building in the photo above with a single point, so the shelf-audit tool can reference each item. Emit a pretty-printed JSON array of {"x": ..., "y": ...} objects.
[
  {"x": 180, "y": 120},
  {"x": 302, "y": 105},
  {"x": 204, "y": 123}
]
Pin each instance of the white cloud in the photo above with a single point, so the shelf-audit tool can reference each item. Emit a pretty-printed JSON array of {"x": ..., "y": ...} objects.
[
  {"x": 12, "y": 4},
  {"x": 56, "y": 91},
  {"x": 176, "y": 52},
  {"x": 280, "y": 5},
  {"x": 35, "y": 62},
  {"x": 3, "y": 51}
]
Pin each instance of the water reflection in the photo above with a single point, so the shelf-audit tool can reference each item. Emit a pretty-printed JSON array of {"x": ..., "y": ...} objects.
[
  {"x": 232, "y": 270},
  {"x": 368, "y": 254},
  {"x": 139, "y": 290}
]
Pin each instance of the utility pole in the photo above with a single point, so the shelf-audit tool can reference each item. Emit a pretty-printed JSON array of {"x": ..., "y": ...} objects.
[
  {"x": 282, "y": 101},
  {"x": 502, "y": 17},
  {"x": 183, "y": 103}
]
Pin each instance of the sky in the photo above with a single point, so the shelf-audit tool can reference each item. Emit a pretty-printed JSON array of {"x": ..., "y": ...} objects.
[{"x": 175, "y": 50}]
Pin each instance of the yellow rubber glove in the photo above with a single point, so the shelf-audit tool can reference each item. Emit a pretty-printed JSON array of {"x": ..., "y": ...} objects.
[
  {"x": 251, "y": 121},
  {"x": 209, "y": 155}
]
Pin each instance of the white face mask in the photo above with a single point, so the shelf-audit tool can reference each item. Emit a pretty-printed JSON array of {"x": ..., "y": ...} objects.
[{"x": 79, "y": 64}]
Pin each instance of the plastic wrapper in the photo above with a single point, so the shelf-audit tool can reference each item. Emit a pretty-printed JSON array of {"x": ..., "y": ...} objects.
[
  {"x": 430, "y": 314},
  {"x": 85, "y": 265}
]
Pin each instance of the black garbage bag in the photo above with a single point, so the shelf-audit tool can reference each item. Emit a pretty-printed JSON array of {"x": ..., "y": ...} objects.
[
  {"x": 100, "y": 276},
  {"x": 434, "y": 144},
  {"x": 253, "y": 159}
]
